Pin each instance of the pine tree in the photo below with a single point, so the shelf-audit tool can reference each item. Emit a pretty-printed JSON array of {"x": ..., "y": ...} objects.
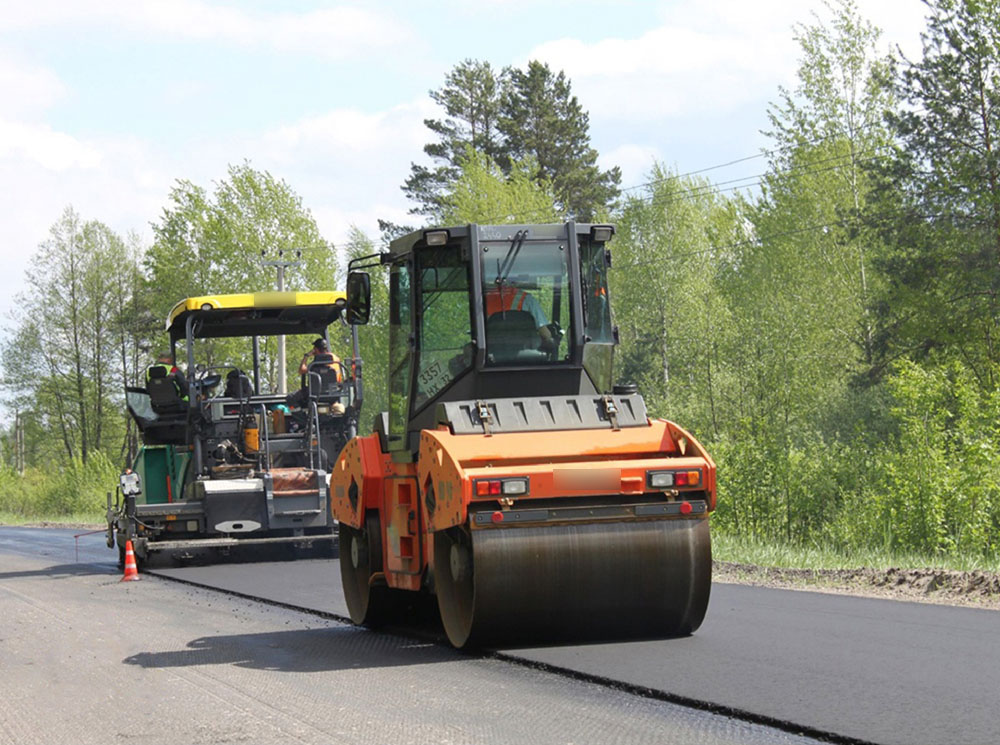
[
  {"x": 541, "y": 118},
  {"x": 509, "y": 117},
  {"x": 470, "y": 97}
]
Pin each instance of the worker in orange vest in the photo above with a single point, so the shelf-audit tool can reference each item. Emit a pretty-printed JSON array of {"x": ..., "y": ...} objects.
[{"x": 506, "y": 297}]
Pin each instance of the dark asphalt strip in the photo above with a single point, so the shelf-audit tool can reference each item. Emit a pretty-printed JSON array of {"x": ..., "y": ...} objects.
[{"x": 641, "y": 691}]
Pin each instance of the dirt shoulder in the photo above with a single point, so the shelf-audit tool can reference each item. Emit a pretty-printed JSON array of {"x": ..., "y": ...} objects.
[
  {"x": 947, "y": 587},
  {"x": 61, "y": 526}
]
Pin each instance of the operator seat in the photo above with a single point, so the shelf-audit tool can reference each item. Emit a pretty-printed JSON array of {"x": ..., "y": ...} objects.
[
  {"x": 510, "y": 332},
  {"x": 237, "y": 385},
  {"x": 164, "y": 395}
]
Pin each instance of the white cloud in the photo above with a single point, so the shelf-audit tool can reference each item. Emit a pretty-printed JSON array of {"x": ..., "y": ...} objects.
[
  {"x": 41, "y": 145},
  {"x": 710, "y": 57},
  {"x": 671, "y": 70},
  {"x": 634, "y": 160},
  {"x": 25, "y": 88},
  {"x": 338, "y": 32},
  {"x": 348, "y": 164}
]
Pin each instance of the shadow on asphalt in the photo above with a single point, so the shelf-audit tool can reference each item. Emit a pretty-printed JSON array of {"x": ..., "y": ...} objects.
[
  {"x": 61, "y": 570},
  {"x": 300, "y": 651}
]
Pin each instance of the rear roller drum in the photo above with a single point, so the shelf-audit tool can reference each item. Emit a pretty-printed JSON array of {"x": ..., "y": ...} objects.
[
  {"x": 369, "y": 601},
  {"x": 614, "y": 580}
]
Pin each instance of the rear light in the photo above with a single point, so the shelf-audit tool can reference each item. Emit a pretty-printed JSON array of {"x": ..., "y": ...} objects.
[
  {"x": 516, "y": 487},
  {"x": 667, "y": 479},
  {"x": 687, "y": 478},
  {"x": 661, "y": 479}
]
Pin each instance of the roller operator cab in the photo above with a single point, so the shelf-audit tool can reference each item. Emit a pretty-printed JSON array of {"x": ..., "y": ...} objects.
[
  {"x": 226, "y": 464},
  {"x": 509, "y": 476}
]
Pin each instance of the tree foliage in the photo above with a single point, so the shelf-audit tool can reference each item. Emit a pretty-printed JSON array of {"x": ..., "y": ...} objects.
[
  {"x": 213, "y": 243},
  {"x": 78, "y": 330},
  {"x": 513, "y": 118},
  {"x": 944, "y": 184},
  {"x": 483, "y": 193}
]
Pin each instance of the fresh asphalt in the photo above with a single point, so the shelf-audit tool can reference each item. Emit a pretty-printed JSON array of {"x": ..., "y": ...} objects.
[{"x": 865, "y": 669}]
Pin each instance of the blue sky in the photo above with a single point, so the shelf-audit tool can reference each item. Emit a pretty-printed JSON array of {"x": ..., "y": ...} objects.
[{"x": 104, "y": 104}]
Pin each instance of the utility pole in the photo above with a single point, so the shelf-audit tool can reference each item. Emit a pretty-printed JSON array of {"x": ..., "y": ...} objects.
[{"x": 281, "y": 263}]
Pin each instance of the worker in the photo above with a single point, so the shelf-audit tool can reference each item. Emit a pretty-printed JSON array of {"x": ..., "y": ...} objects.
[
  {"x": 321, "y": 350},
  {"x": 319, "y": 355},
  {"x": 166, "y": 360},
  {"x": 506, "y": 297}
]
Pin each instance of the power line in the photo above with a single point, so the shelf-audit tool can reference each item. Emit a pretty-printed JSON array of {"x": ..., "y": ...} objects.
[
  {"x": 761, "y": 240},
  {"x": 701, "y": 190},
  {"x": 763, "y": 154}
]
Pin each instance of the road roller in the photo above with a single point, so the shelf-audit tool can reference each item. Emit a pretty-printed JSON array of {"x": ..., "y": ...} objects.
[{"x": 510, "y": 477}]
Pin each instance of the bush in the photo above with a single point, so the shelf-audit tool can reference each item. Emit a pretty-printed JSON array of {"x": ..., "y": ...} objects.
[{"x": 74, "y": 488}]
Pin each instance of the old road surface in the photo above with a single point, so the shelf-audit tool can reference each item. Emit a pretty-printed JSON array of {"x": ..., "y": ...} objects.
[{"x": 84, "y": 658}]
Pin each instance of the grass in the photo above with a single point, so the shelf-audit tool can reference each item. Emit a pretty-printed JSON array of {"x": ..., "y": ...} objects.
[{"x": 788, "y": 556}]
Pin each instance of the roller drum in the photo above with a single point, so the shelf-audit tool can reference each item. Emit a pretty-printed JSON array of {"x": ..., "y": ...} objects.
[{"x": 571, "y": 582}]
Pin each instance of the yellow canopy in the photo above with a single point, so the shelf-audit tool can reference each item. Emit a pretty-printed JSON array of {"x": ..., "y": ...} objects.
[{"x": 261, "y": 313}]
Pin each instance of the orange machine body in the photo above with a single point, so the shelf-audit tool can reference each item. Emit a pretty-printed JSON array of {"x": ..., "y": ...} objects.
[{"x": 415, "y": 500}]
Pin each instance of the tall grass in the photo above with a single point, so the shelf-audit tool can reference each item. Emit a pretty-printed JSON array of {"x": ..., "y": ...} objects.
[
  {"x": 786, "y": 555},
  {"x": 73, "y": 491}
]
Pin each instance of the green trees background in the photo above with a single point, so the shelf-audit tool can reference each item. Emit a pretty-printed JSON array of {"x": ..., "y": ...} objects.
[{"x": 830, "y": 333}]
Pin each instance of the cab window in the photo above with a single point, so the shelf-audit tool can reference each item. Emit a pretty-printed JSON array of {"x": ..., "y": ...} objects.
[{"x": 445, "y": 320}]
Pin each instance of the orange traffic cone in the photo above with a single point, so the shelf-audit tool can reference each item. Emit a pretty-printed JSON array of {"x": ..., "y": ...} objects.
[{"x": 131, "y": 570}]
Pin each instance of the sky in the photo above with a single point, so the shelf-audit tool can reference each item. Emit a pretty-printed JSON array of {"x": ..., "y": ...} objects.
[{"x": 106, "y": 104}]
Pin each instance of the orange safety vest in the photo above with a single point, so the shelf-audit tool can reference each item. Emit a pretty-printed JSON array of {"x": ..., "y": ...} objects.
[
  {"x": 335, "y": 363},
  {"x": 502, "y": 299}
]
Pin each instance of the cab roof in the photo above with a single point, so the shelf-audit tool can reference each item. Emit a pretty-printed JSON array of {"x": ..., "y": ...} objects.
[{"x": 256, "y": 314}]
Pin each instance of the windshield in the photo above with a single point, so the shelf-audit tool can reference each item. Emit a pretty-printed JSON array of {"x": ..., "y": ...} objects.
[{"x": 526, "y": 302}]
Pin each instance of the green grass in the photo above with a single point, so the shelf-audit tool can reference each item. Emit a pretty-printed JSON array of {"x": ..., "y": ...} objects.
[{"x": 787, "y": 556}]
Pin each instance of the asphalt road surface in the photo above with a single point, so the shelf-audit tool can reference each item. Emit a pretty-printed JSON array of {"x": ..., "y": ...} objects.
[
  {"x": 871, "y": 670},
  {"x": 880, "y": 671},
  {"x": 85, "y": 658}
]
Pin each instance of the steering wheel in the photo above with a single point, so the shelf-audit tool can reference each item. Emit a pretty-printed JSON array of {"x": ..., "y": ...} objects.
[{"x": 205, "y": 380}]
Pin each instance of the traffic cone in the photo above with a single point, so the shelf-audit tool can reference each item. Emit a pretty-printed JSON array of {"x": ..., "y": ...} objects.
[{"x": 131, "y": 570}]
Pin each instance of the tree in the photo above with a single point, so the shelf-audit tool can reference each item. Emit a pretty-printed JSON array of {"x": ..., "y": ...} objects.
[
  {"x": 542, "y": 119},
  {"x": 483, "y": 193},
  {"x": 210, "y": 244},
  {"x": 945, "y": 266},
  {"x": 510, "y": 117},
  {"x": 59, "y": 365},
  {"x": 470, "y": 97},
  {"x": 800, "y": 291},
  {"x": 668, "y": 252}
]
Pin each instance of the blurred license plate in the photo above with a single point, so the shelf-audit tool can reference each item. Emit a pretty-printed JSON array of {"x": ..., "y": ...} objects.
[{"x": 591, "y": 479}]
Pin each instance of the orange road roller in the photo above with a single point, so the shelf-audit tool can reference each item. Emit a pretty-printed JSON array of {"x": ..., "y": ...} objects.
[{"x": 510, "y": 478}]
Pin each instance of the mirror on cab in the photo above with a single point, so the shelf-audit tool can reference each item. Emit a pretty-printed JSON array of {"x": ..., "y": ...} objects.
[{"x": 359, "y": 298}]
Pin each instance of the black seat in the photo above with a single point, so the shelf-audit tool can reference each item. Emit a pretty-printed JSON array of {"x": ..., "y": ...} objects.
[
  {"x": 164, "y": 395},
  {"x": 324, "y": 386},
  {"x": 510, "y": 332},
  {"x": 237, "y": 385}
]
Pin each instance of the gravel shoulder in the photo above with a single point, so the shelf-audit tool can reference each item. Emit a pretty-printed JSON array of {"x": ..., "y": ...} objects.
[{"x": 941, "y": 586}]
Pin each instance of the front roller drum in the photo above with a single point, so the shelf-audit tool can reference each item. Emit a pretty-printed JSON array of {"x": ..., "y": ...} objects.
[
  {"x": 369, "y": 601},
  {"x": 590, "y": 581}
]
